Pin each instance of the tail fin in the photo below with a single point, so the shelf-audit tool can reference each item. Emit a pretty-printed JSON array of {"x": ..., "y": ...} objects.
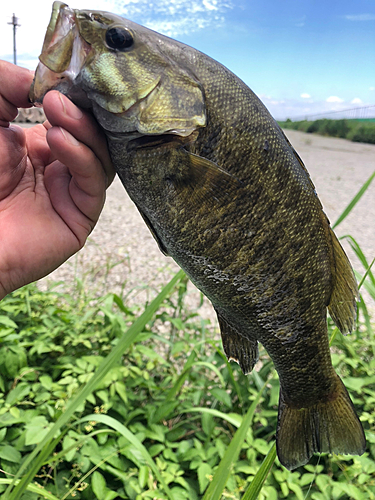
[{"x": 328, "y": 426}]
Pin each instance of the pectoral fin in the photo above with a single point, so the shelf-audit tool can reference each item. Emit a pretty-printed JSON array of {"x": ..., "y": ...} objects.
[
  {"x": 236, "y": 347},
  {"x": 201, "y": 180}
]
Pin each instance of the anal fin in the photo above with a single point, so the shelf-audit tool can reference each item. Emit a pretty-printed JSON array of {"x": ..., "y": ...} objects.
[{"x": 237, "y": 347}]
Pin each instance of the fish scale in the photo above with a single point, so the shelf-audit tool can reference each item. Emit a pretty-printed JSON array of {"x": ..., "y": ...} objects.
[{"x": 225, "y": 194}]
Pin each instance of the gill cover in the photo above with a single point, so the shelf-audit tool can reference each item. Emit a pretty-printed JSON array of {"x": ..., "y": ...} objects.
[{"x": 144, "y": 87}]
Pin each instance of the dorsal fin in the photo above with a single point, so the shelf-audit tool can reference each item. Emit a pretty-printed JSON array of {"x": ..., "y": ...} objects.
[{"x": 236, "y": 347}]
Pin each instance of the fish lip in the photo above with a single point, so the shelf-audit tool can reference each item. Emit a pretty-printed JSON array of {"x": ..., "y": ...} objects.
[{"x": 63, "y": 56}]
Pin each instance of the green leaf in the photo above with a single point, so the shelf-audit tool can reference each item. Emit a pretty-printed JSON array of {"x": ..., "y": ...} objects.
[
  {"x": 222, "y": 396},
  {"x": 9, "y": 453},
  {"x": 3, "y": 434},
  {"x": 18, "y": 393},
  {"x": 164, "y": 411},
  {"x": 143, "y": 476},
  {"x": 208, "y": 423},
  {"x": 4, "y": 320},
  {"x": 71, "y": 445},
  {"x": 297, "y": 490},
  {"x": 111, "y": 495},
  {"x": 204, "y": 471},
  {"x": 36, "y": 429},
  {"x": 353, "y": 383},
  {"x": 99, "y": 486}
]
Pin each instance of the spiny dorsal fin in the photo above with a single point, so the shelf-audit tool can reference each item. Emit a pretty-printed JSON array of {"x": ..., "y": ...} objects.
[
  {"x": 236, "y": 347},
  {"x": 343, "y": 304}
]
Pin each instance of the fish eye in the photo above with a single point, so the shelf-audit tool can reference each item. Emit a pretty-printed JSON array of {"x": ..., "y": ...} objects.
[{"x": 118, "y": 38}]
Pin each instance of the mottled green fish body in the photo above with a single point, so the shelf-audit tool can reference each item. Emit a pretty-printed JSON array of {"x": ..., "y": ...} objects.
[{"x": 224, "y": 194}]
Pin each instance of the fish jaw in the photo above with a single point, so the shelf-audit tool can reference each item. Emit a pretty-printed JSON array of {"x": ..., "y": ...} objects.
[
  {"x": 63, "y": 57},
  {"x": 138, "y": 91}
]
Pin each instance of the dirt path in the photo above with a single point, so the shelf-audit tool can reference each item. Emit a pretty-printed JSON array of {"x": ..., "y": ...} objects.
[{"x": 121, "y": 255}]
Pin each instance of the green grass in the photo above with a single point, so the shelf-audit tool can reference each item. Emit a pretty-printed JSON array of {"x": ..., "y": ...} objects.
[{"x": 100, "y": 403}]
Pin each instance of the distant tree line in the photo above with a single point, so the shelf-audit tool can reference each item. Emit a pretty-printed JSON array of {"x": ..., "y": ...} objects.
[{"x": 353, "y": 130}]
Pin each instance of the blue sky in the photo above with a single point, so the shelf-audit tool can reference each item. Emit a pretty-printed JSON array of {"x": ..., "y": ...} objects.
[{"x": 299, "y": 57}]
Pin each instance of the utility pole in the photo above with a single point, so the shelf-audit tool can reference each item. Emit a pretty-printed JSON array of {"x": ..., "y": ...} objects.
[{"x": 15, "y": 25}]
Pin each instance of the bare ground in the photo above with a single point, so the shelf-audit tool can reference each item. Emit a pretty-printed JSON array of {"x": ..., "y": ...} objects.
[{"x": 121, "y": 255}]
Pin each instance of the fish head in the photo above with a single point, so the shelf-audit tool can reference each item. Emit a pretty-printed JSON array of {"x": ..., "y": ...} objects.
[{"x": 136, "y": 81}]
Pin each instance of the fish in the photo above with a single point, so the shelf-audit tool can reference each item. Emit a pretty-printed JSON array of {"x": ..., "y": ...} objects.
[{"x": 224, "y": 194}]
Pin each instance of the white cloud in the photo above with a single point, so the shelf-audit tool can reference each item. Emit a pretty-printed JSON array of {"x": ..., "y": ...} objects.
[
  {"x": 210, "y": 5},
  {"x": 361, "y": 17},
  {"x": 305, "y": 96},
  {"x": 372, "y": 88},
  {"x": 175, "y": 17},
  {"x": 334, "y": 98},
  {"x": 356, "y": 100}
]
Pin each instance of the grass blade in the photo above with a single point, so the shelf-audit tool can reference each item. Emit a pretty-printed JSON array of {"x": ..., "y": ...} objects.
[
  {"x": 354, "y": 201},
  {"x": 36, "y": 458},
  {"x": 212, "y": 367},
  {"x": 257, "y": 483},
  {"x": 39, "y": 490},
  {"x": 181, "y": 379},
  {"x": 231, "y": 418},
  {"x": 366, "y": 283},
  {"x": 367, "y": 273},
  {"x": 358, "y": 251},
  {"x": 217, "y": 485},
  {"x": 231, "y": 376},
  {"x": 124, "y": 431}
]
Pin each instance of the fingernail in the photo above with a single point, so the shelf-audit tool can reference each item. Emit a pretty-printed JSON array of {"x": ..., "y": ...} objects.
[
  {"x": 69, "y": 137},
  {"x": 70, "y": 109}
]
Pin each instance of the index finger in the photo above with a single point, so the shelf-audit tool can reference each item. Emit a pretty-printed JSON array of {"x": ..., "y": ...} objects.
[
  {"x": 15, "y": 84},
  {"x": 61, "y": 112}
]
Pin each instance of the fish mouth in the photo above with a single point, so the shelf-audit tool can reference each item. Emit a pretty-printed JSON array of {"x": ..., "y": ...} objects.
[{"x": 63, "y": 56}]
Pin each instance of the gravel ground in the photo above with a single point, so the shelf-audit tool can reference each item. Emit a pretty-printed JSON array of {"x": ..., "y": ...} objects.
[{"x": 121, "y": 255}]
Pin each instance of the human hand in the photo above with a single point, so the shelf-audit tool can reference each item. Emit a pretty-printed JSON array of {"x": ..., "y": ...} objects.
[{"x": 53, "y": 179}]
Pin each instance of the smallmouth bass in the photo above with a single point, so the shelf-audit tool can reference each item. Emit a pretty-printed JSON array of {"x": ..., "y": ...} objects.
[{"x": 225, "y": 194}]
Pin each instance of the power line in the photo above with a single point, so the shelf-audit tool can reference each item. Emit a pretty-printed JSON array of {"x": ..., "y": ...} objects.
[
  {"x": 349, "y": 113},
  {"x": 15, "y": 26}
]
